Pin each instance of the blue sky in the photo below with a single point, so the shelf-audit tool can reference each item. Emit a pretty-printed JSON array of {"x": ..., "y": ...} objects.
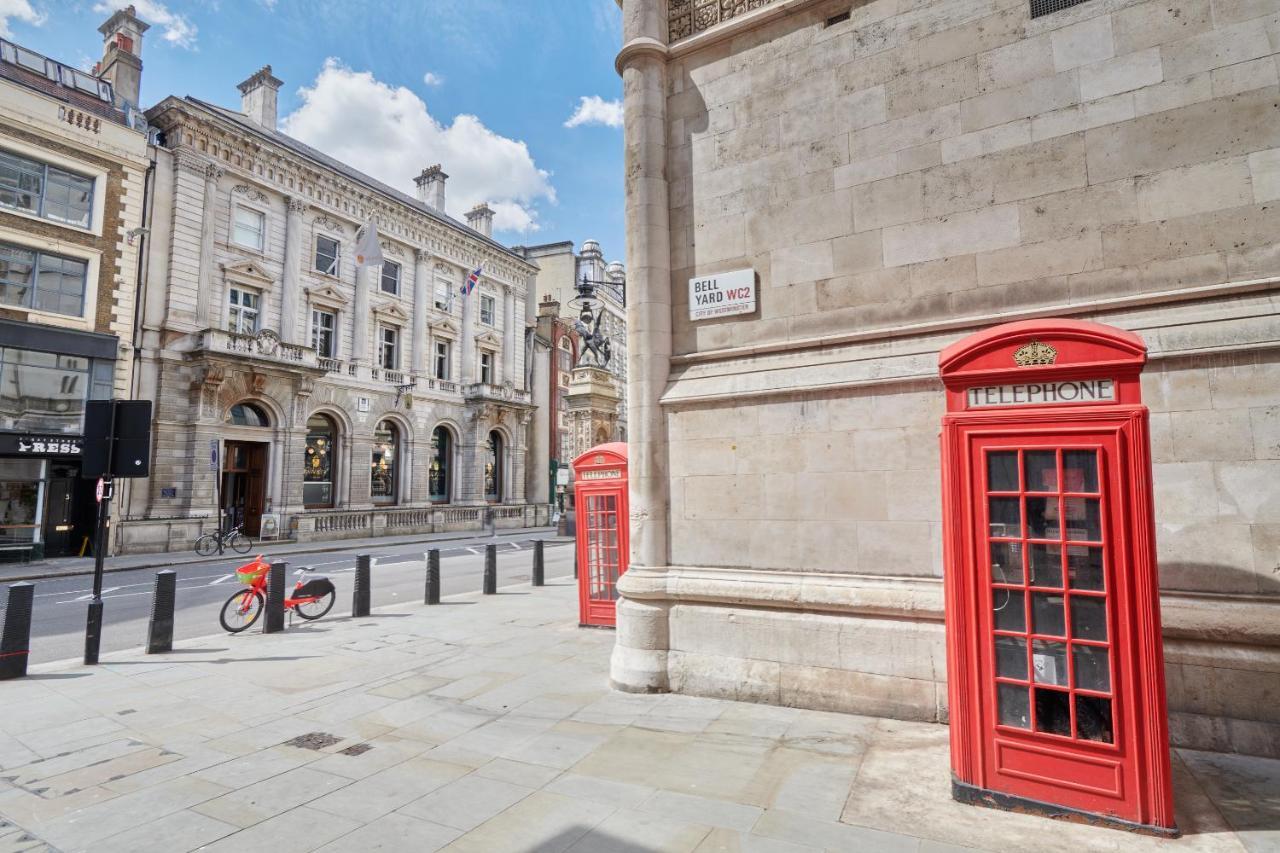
[{"x": 484, "y": 87}]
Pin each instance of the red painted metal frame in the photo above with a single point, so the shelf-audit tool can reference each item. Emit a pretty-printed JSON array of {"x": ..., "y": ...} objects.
[
  {"x": 1054, "y": 774},
  {"x": 603, "y": 530}
]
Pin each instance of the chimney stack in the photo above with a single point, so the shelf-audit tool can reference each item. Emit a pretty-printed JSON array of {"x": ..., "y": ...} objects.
[
  {"x": 258, "y": 96},
  {"x": 431, "y": 187},
  {"x": 480, "y": 218},
  {"x": 121, "y": 63}
]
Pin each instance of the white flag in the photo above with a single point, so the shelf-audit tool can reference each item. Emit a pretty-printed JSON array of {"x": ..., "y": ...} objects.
[{"x": 368, "y": 250}]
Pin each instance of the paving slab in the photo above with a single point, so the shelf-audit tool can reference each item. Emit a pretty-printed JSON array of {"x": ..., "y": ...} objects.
[{"x": 491, "y": 727}]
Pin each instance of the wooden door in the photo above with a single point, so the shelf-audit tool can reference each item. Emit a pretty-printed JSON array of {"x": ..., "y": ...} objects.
[{"x": 255, "y": 488}]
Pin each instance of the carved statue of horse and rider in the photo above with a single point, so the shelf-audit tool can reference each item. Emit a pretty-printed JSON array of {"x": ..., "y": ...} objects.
[{"x": 593, "y": 340}]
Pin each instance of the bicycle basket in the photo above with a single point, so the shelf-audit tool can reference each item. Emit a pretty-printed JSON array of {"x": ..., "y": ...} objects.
[{"x": 250, "y": 573}]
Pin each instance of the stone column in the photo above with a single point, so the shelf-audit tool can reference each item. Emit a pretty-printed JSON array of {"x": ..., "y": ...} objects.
[
  {"x": 467, "y": 346},
  {"x": 289, "y": 310},
  {"x": 204, "y": 280},
  {"x": 360, "y": 318},
  {"x": 421, "y": 363},
  {"x": 639, "y": 661},
  {"x": 509, "y": 334}
]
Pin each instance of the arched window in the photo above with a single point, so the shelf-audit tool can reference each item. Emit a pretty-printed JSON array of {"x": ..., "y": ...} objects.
[
  {"x": 383, "y": 462},
  {"x": 318, "y": 464},
  {"x": 247, "y": 414},
  {"x": 438, "y": 470},
  {"x": 493, "y": 468}
]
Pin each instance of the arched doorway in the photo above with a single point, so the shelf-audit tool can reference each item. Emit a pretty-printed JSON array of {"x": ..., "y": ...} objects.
[
  {"x": 494, "y": 460},
  {"x": 384, "y": 464},
  {"x": 319, "y": 473},
  {"x": 243, "y": 484},
  {"x": 439, "y": 468}
]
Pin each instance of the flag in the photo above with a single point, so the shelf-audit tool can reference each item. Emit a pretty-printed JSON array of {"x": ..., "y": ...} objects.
[
  {"x": 472, "y": 281},
  {"x": 368, "y": 250}
]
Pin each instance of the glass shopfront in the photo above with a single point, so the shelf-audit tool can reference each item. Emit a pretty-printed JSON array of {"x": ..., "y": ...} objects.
[
  {"x": 383, "y": 463},
  {"x": 21, "y": 503},
  {"x": 493, "y": 468},
  {"x": 318, "y": 475},
  {"x": 438, "y": 473}
]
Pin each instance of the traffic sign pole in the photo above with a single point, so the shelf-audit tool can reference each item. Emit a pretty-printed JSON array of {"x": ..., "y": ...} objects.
[{"x": 93, "y": 622}]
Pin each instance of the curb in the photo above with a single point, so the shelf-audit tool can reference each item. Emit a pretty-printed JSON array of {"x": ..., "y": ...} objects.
[{"x": 6, "y": 579}]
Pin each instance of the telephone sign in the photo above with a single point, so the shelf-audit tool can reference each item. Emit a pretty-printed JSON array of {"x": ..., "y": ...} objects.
[{"x": 1054, "y": 656}]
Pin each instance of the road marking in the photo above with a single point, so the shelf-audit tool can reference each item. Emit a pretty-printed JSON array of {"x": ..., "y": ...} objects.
[
  {"x": 89, "y": 595},
  {"x": 217, "y": 581},
  {"x": 473, "y": 551}
]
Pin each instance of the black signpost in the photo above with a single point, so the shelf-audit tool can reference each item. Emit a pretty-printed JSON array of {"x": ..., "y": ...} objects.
[{"x": 117, "y": 443}]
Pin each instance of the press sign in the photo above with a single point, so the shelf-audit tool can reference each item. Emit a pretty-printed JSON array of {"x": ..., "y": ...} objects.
[{"x": 722, "y": 294}]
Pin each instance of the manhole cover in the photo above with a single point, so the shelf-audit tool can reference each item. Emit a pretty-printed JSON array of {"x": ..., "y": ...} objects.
[
  {"x": 357, "y": 749},
  {"x": 313, "y": 740}
]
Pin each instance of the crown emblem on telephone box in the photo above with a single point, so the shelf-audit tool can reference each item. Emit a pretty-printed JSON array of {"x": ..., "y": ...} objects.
[{"x": 1034, "y": 353}]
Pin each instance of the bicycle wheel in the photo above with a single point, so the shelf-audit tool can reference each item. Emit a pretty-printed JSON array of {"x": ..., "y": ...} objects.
[
  {"x": 240, "y": 543},
  {"x": 241, "y": 610},
  {"x": 207, "y": 545},
  {"x": 316, "y": 609}
]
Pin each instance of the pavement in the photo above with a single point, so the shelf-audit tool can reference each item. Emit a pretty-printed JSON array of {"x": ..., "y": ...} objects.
[
  {"x": 282, "y": 548},
  {"x": 487, "y": 724}
]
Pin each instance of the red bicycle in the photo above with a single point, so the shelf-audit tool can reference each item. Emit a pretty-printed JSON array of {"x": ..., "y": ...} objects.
[{"x": 313, "y": 597}]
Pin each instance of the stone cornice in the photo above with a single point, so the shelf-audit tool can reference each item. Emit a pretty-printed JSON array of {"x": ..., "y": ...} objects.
[
  {"x": 198, "y": 136},
  {"x": 643, "y": 46}
]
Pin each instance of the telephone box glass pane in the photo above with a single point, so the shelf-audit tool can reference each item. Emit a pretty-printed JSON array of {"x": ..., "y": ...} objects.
[
  {"x": 1046, "y": 565},
  {"x": 1002, "y": 471},
  {"x": 1006, "y": 562},
  {"x": 1042, "y": 518},
  {"x": 1080, "y": 471},
  {"x": 1011, "y": 657},
  {"x": 1010, "y": 609},
  {"x": 1084, "y": 519},
  {"x": 1047, "y": 615},
  {"x": 1093, "y": 718},
  {"x": 1049, "y": 662},
  {"x": 1088, "y": 618},
  {"x": 1053, "y": 711},
  {"x": 1093, "y": 670},
  {"x": 1014, "y": 708},
  {"x": 1005, "y": 518},
  {"x": 1084, "y": 567},
  {"x": 1042, "y": 470}
]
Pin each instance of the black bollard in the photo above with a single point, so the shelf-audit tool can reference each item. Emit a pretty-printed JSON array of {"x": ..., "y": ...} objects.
[
  {"x": 160, "y": 634},
  {"x": 538, "y": 565},
  {"x": 433, "y": 576},
  {"x": 490, "y": 569},
  {"x": 360, "y": 595},
  {"x": 93, "y": 632},
  {"x": 15, "y": 641},
  {"x": 273, "y": 619}
]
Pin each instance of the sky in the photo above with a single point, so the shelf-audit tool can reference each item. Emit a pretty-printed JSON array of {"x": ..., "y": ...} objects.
[{"x": 518, "y": 100}]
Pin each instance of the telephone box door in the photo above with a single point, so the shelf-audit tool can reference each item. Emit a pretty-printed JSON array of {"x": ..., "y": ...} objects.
[
  {"x": 600, "y": 487},
  {"x": 1057, "y": 727}
]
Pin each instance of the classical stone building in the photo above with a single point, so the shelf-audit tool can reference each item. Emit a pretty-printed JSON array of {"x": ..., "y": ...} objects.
[
  {"x": 299, "y": 393},
  {"x": 898, "y": 176},
  {"x": 73, "y": 156}
]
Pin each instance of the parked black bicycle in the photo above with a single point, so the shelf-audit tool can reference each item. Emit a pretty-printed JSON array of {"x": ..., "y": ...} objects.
[{"x": 220, "y": 541}]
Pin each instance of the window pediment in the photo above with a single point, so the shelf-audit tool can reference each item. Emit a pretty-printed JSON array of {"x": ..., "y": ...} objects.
[
  {"x": 248, "y": 273},
  {"x": 327, "y": 294},
  {"x": 444, "y": 327},
  {"x": 390, "y": 311},
  {"x": 489, "y": 339}
]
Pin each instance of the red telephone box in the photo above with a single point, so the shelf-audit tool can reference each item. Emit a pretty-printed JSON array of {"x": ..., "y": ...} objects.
[
  {"x": 600, "y": 500},
  {"x": 1054, "y": 653}
]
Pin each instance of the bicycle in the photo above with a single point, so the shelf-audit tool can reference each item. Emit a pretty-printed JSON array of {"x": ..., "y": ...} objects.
[
  {"x": 313, "y": 597},
  {"x": 234, "y": 539}
]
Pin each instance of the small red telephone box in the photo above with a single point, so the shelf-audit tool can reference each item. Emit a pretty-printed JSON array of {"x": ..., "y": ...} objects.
[
  {"x": 1055, "y": 659},
  {"x": 600, "y": 500}
]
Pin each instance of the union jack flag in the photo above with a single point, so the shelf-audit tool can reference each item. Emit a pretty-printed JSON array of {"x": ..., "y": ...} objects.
[{"x": 471, "y": 282}]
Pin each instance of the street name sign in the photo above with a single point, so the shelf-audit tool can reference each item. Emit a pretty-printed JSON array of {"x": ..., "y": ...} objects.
[{"x": 722, "y": 294}]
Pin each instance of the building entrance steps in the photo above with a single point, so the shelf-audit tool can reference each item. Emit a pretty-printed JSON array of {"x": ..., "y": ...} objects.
[{"x": 487, "y": 724}]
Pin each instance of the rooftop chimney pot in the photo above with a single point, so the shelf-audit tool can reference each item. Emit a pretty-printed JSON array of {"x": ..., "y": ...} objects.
[
  {"x": 430, "y": 185},
  {"x": 480, "y": 218},
  {"x": 258, "y": 97}
]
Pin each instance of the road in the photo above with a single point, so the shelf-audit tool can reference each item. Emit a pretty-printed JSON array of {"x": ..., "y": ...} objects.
[{"x": 398, "y": 575}]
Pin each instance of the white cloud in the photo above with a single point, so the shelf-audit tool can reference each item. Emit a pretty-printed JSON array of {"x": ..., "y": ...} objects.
[
  {"x": 593, "y": 109},
  {"x": 176, "y": 29},
  {"x": 20, "y": 10},
  {"x": 432, "y": 79},
  {"x": 388, "y": 133}
]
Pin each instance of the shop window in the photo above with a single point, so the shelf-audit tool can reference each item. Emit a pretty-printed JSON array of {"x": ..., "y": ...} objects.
[
  {"x": 249, "y": 228},
  {"x": 390, "y": 281},
  {"x": 42, "y": 281},
  {"x": 323, "y": 325},
  {"x": 384, "y": 460},
  {"x": 45, "y": 191},
  {"x": 319, "y": 468},
  {"x": 493, "y": 468},
  {"x": 442, "y": 360},
  {"x": 21, "y": 492},
  {"x": 438, "y": 471},
  {"x": 242, "y": 310},
  {"x": 47, "y": 391},
  {"x": 327, "y": 252}
]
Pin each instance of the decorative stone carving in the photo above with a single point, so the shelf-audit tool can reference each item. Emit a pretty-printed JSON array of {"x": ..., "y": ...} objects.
[
  {"x": 296, "y": 205},
  {"x": 325, "y": 222},
  {"x": 689, "y": 17},
  {"x": 249, "y": 192},
  {"x": 214, "y": 172},
  {"x": 258, "y": 383},
  {"x": 391, "y": 249}
]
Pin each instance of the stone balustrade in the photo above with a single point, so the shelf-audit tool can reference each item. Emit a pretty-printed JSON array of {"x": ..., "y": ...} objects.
[{"x": 264, "y": 345}]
